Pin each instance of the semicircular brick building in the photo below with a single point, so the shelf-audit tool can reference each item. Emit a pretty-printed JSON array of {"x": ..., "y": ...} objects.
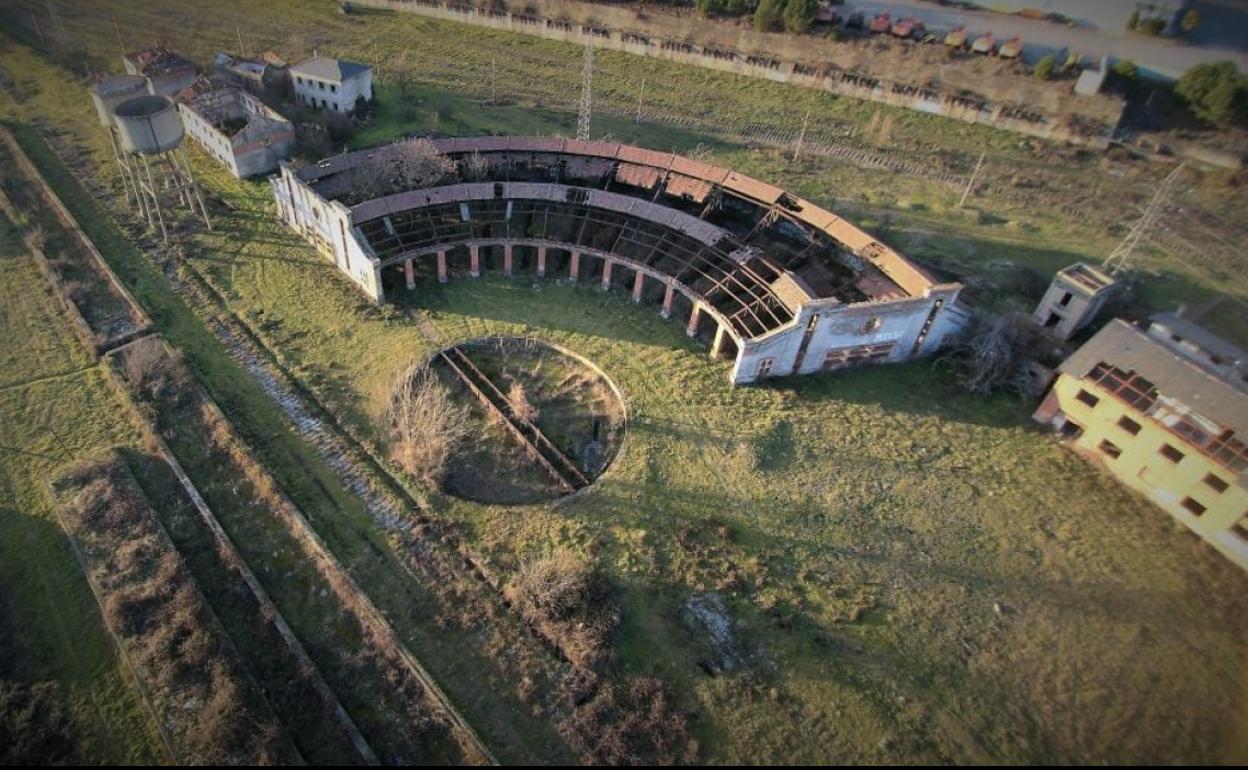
[{"x": 775, "y": 282}]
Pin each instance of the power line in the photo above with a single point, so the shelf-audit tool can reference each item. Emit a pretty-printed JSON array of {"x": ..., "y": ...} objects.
[{"x": 1118, "y": 260}]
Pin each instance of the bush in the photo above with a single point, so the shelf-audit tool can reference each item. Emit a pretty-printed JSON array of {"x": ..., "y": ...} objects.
[
  {"x": 1214, "y": 92},
  {"x": 634, "y": 726},
  {"x": 768, "y": 15},
  {"x": 426, "y": 425},
  {"x": 799, "y": 14},
  {"x": 1044, "y": 68},
  {"x": 1125, "y": 69},
  {"x": 568, "y": 601}
]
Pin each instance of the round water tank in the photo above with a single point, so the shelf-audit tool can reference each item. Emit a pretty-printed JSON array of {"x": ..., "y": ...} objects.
[
  {"x": 148, "y": 124},
  {"x": 112, "y": 91}
]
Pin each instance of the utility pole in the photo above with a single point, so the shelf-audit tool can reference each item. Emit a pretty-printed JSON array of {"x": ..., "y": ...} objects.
[
  {"x": 1119, "y": 259},
  {"x": 641, "y": 92},
  {"x": 587, "y": 97},
  {"x": 801, "y": 136},
  {"x": 970, "y": 183},
  {"x": 38, "y": 30},
  {"x": 57, "y": 21},
  {"x": 120, "y": 41},
  {"x": 493, "y": 80},
  {"x": 241, "y": 50}
]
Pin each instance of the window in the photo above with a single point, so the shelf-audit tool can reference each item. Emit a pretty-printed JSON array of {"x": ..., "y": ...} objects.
[
  {"x": 1129, "y": 387},
  {"x": 333, "y": 89},
  {"x": 1110, "y": 449},
  {"x": 1215, "y": 483},
  {"x": 1129, "y": 425},
  {"x": 1087, "y": 398},
  {"x": 1071, "y": 429},
  {"x": 1066, "y": 297},
  {"x": 764, "y": 366},
  {"x": 1170, "y": 453},
  {"x": 855, "y": 356},
  {"x": 1192, "y": 506},
  {"x": 320, "y": 84}
]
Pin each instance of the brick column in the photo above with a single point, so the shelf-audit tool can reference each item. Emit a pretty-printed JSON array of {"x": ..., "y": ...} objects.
[
  {"x": 667, "y": 301},
  {"x": 541, "y": 261},
  {"x": 442, "y": 266},
  {"x": 475, "y": 252},
  {"x": 576, "y": 264},
  {"x": 717, "y": 347},
  {"x": 607, "y": 264},
  {"x": 507, "y": 259},
  {"x": 407, "y": 272},
  {"x": 638, "y": 282},
  {"x": 694, "y": 318}
]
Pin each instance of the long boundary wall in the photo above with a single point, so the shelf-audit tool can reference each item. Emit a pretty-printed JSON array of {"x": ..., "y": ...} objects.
[{"x": 1009, "y": 102}]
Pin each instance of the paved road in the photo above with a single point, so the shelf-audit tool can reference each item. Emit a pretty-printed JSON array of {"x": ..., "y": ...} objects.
[{"x": 1162, "y": 57}]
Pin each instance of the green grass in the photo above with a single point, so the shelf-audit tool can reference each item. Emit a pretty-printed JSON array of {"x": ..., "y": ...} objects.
[
  {"x": 875, "y": 517},
  {"x": 56, "y": 408}
]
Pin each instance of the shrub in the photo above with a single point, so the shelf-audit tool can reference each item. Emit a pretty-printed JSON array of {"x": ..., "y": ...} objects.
[
  {"x": 1125, "y": 69},
  {"x": 634, "y": 726},
  {"x": 1044, "y": 67},
  {"x": 1213, "y": 92},
  {"x": 799, "y": 14},
  {"x": 995, "y": 355},
  {"x": 426, "y": 425},
  {"x": 768, "y": 15}
]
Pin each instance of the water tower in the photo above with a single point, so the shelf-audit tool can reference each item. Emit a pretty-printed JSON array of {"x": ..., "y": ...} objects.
[
  {"x": 150, "y": 132},
  {"x": 107, "y": 94}
]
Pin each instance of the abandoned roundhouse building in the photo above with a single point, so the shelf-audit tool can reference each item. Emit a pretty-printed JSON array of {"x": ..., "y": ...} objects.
[
  {"x": 777, "y": 283},
  {"x": 236, "y": 128}
]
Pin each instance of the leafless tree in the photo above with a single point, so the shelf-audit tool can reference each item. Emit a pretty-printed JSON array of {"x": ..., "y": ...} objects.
[
  {"x": 408, "y": 165},
  {"x": 996, "y": 354},
  {"x": 475, "y": 168},
  {"x": 518, "y": 400},
  {"x": 145, "y": 366},
  {"x": 426, "y": 425}
]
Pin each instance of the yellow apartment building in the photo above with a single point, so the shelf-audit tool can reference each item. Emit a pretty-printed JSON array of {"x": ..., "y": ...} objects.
[{"x": 1164, "y": 409}]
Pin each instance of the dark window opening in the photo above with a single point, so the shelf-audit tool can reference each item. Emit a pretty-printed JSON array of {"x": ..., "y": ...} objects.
[
  {"x": 1087, "y": 398},
  {"x": 1129, "y": 425},
  {"x": 1170, "y": 453},
  {"x": 1192, "y": 506},
  {"x": 1215, "y": 483},
  {"x": 1110, "y": 449}
]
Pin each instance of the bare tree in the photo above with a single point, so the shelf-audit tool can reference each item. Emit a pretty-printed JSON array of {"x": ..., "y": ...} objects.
[
  {"x": 996, "y": 354},
  {"x": 475, "y": 168},
  {"x": 145, "y": 366},
  {"x": 518, "y": 400},
  {"x": 426, "y": 425},
  {"x": 412, "y": 164}
]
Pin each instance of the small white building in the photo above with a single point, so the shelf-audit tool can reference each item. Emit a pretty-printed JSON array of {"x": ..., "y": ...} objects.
[{"x": 333, "y": 84}]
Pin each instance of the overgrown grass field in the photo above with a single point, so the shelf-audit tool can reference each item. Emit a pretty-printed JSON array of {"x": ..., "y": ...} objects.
[{"x": 910, "y": 574}]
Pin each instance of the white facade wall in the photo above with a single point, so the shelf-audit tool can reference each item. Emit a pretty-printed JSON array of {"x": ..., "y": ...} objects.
[
  {"x": 332, "y": 95},
  {"x": 327, "y": 225}
]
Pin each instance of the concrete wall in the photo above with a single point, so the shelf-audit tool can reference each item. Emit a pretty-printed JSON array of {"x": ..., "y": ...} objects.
[
  {"x": 964, "y": 91},
  {"x": 846, "y": 330},
  {"x": 340, "y": 97},
  {"x": 1141, "y": 467},
  {"x": 253, "y": 151},
  {"x": 327, "y": 226}
]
